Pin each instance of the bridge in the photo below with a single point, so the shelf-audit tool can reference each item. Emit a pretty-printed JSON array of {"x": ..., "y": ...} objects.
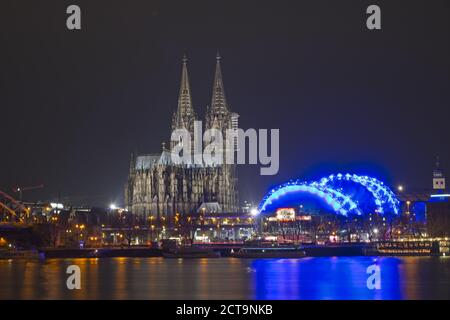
[
  {"x": 15, "y": 220},
  {"x": 12, "y": 211}
]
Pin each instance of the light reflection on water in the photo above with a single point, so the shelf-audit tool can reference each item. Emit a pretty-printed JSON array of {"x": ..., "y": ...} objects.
[
  {"x": 227, "y": 278},
  {"x": 326, "y": 278}
]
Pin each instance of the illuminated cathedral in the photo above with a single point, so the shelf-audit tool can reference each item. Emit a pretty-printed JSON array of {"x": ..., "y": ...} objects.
[{"x": 158, "y": 187}]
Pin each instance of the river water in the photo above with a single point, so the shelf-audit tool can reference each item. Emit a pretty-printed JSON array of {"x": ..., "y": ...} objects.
[{"x": 228, "y": 278}]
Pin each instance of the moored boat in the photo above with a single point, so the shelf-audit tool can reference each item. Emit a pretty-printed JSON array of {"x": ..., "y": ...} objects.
[
  {"x": 19, "y": 254},
  {"x": 190, "y": 253},
  {"x": 270, "y": 251}
]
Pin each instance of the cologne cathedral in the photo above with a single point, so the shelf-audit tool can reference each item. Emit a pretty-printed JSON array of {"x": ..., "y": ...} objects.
[{"x": 158, "y": 187}]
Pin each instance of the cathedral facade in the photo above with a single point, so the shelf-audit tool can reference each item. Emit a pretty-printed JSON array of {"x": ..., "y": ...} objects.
[{"x": 158, "y": 187}]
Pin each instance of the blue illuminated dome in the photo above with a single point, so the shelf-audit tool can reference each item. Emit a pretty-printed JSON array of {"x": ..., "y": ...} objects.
[{"x": 344, "y": 193}]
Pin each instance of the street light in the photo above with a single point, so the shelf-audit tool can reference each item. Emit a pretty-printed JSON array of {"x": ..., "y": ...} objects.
[
  {"x": 254, "y": 212},
  {"x": 400, "y": 188}
]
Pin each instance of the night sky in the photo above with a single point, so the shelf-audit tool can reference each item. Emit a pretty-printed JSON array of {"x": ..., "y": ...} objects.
[{"x": 75, "y": 104}]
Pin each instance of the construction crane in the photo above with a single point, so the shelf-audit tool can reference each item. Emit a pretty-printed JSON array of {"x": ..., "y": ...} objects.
[
  {"x": 22, "y": 189},
  {"x": 15, "y": 208}
]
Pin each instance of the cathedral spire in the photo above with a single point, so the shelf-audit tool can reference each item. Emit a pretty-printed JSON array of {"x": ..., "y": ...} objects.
[
  {"x": 184, "y": 99},
  {"x": 218, "y": 101},
  {"x": 185, "y": 115}
]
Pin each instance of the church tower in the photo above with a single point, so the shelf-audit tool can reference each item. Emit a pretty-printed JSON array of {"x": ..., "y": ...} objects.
[
  {"x": 184, "y": 116},
  {"x": 218, "y": 114},
  {"x": 438, "y": 177}
]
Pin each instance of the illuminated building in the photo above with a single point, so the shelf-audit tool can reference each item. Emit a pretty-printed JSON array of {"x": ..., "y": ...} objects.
[
  {"x": 438, "y": 215},
  {"x": 331, "y": 190},
  {"x": 438, "y": 177},
  {"x": 352, "y": 208},
  {"x": 160, "y": 188},
  {"x": 221, "y": 227}
]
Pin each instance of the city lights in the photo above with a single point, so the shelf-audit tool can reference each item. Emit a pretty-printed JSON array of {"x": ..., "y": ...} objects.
[
  {"x": 442, "y": 195},
  {"x": 213, "y": 152}
]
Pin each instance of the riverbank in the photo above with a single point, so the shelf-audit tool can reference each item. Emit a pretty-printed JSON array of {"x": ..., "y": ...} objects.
[
  {"x": 385, "y": 248},
  {"x": 139, "y": 252}
]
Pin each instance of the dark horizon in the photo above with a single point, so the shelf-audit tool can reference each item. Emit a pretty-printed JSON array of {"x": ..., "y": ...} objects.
[{"x": 75, "y": 104}]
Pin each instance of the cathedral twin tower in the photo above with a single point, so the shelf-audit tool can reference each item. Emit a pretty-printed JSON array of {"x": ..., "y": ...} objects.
[{"x": 158, "y": 187}]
